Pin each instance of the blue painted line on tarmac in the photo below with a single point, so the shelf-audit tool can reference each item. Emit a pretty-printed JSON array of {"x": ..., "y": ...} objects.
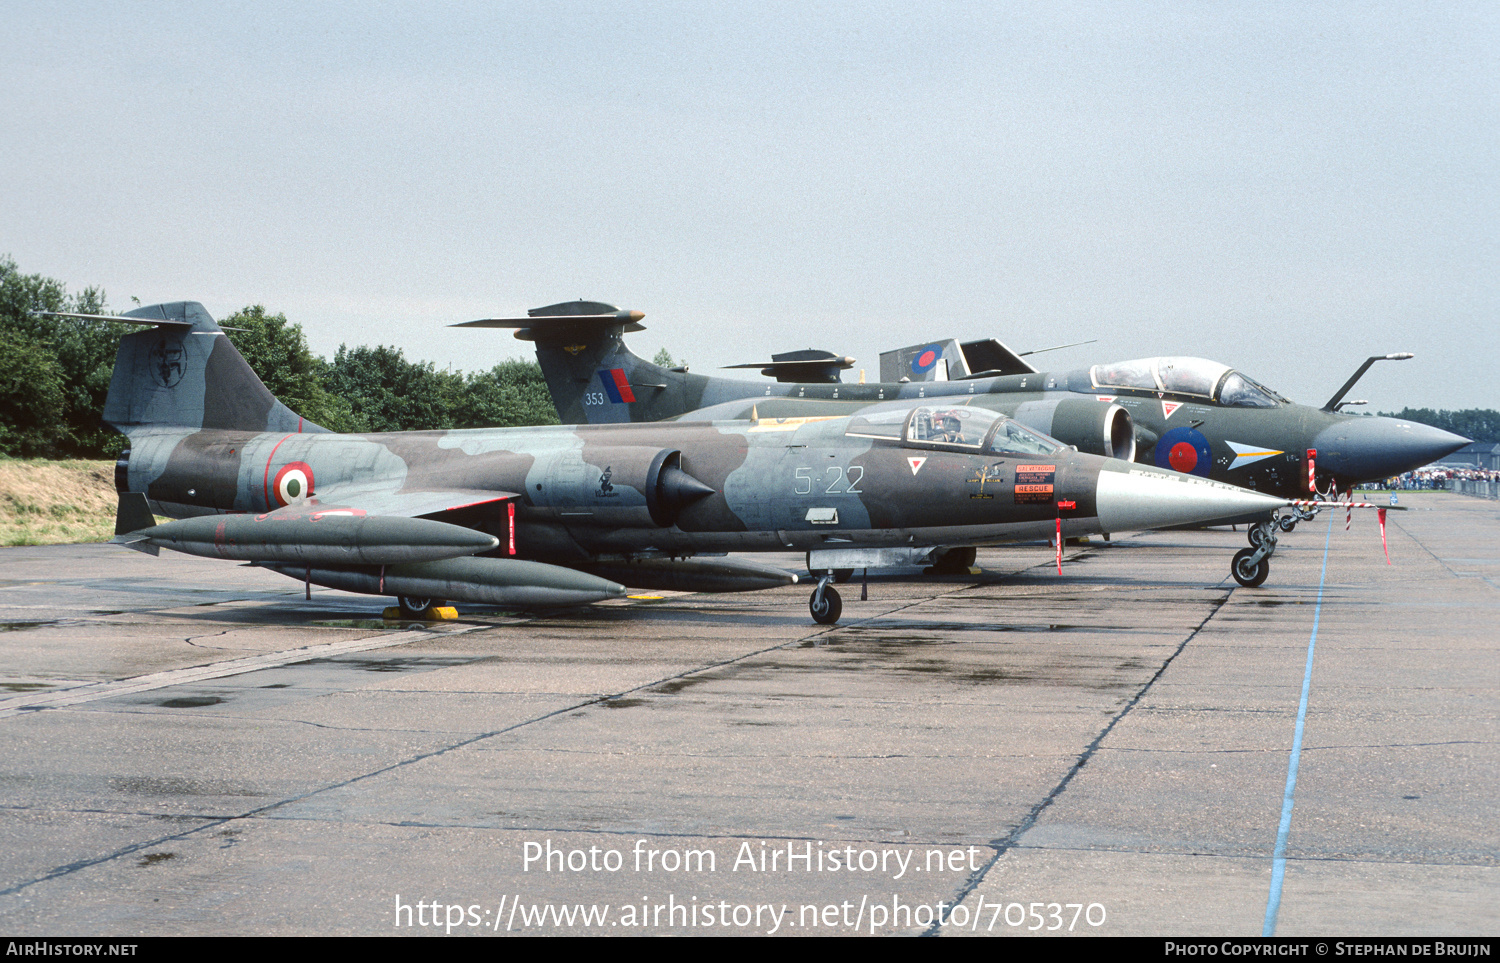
[{"x": 1278, "y": 858}]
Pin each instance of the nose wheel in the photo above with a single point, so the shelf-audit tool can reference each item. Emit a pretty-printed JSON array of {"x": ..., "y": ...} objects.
[
  {"x": 825, "y": 604},
  {"x": 1252, "y": 565}
]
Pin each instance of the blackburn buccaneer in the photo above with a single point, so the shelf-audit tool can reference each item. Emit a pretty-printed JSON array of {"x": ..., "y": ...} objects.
[
  {"x": 1185, "y": 414},
  {"x": 571, "y": 514}
]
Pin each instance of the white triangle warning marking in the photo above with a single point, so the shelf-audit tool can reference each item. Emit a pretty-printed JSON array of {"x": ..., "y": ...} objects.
[
  {"x": 1167, "y": 407},
  {"x": 916, "y": 464}
]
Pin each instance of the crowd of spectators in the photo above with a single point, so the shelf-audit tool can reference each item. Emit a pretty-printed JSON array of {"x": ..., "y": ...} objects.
[{"x": 1434, "y": 478}]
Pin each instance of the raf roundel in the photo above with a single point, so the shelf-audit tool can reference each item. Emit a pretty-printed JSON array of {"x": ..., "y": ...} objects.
[
  {"x": 293, "y": 483},
  {"x": 1184, "y": 450},
  {"x": 926, "y": 358}
]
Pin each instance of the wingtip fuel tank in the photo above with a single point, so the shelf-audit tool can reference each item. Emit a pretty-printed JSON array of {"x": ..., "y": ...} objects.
[
  {"x": 484, "y": 581},
  {"x": 331, "y": 538}
]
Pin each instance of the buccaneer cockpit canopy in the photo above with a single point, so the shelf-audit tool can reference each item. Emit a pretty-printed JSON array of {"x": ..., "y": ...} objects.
[
  {"x": 1187, "y": 376},
  {"x": 961, "y": 427}
]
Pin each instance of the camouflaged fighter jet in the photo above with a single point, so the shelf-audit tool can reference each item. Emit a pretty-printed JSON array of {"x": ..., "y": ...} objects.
[
  {"x": 563, "y": 515},
  {"x": 1185, "y": 414}
]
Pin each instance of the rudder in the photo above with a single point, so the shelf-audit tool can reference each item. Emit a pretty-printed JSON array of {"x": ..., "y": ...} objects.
[{"x": 186, "y": 374}]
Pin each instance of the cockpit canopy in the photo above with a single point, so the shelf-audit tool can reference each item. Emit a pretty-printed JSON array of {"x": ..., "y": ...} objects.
[
  {"x": 960, "y": 427},
  {"x": 1187, "y": 376}
]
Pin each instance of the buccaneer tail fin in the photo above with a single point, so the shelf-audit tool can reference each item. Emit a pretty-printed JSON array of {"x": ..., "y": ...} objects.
[
  {"x": 593, "y": 378},
  {"x": 185, "y": 374}
]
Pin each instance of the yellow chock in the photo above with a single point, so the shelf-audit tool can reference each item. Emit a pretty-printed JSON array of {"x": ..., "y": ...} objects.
[{"x": 438, "y": 613}]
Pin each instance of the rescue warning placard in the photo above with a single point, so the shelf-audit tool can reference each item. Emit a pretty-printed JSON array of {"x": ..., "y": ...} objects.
[{"x": 1034, "y": 483}]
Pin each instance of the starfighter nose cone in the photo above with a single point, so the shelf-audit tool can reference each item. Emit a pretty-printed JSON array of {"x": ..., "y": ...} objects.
[
  {"x": 1136, "y": 498},
  {"x": 1366, "y": 449}
]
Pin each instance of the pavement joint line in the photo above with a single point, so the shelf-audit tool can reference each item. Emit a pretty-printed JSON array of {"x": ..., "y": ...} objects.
[
  {"x": 300, "y": 655},
  {"x": 1484, "y": 863},
  {"x": 1010, "y": 840},
  {"x": 94, "y": 691},
  {"x": 1333, "y": 747},
  {"x": 264, "y": 811},
  {"x": 1394, "y": 523}
]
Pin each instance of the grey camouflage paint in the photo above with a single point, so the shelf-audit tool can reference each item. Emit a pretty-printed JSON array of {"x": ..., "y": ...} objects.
[
  {"x": 576, "y": 355},
  {"x": 208, "y": 439}
]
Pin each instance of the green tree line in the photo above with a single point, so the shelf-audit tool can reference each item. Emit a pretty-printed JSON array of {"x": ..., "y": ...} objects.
[{"x": 54, "y": 375}]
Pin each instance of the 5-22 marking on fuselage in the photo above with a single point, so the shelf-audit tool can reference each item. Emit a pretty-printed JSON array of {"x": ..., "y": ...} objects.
[{"x": 833, "y": 474}]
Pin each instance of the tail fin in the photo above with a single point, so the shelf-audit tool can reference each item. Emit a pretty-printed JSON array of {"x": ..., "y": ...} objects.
[
  {"x": 936, "y": 361},
  {"x": 949, "y": 361},
  {"x": 186, "y": 374},
  {"x": 593, "y": 378}
]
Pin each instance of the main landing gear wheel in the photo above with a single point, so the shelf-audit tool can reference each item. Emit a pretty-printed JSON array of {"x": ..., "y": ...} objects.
[
  {"x": 1248, "y": 570},
  {"x": 825, "y": 605},
  {"x": 955, "y": 561},
  {"x": 413, "y": 607}
]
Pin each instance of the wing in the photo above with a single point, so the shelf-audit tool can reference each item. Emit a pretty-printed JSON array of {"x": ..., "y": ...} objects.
[{"x": 433, "y": 504}]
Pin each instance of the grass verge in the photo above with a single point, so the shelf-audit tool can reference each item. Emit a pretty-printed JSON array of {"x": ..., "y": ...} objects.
[{"x": 52, "y": 502}]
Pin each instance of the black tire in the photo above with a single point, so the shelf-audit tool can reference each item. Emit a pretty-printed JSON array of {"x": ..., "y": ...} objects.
[
  {"x": 955, "y": 561},
  {"x": 1287, "y": 522},
  {"x": 1257, "y": 536},
  {"x": 416, "y": 608},
  {"x": 1248, "y": 574},
  {"x": 832, "y": 608}
]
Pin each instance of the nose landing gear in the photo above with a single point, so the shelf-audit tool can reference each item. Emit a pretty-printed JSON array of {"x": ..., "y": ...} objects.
[
  {"x": 825, "y": 604},
  {"x": 1252, "y": 565}
]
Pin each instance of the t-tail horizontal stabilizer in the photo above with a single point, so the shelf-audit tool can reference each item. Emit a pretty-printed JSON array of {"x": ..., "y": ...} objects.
[
  {"x": 808, "y": 366},
  {"x": 592, "y": 376},
  {"x": 568, "y": 320}
]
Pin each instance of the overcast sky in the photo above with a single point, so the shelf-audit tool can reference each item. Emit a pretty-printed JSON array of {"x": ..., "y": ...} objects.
[{"x": 1286, "y": 188}]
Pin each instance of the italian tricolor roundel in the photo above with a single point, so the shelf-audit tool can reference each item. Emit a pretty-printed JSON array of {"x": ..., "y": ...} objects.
[{"x": 293, "y": 483}]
